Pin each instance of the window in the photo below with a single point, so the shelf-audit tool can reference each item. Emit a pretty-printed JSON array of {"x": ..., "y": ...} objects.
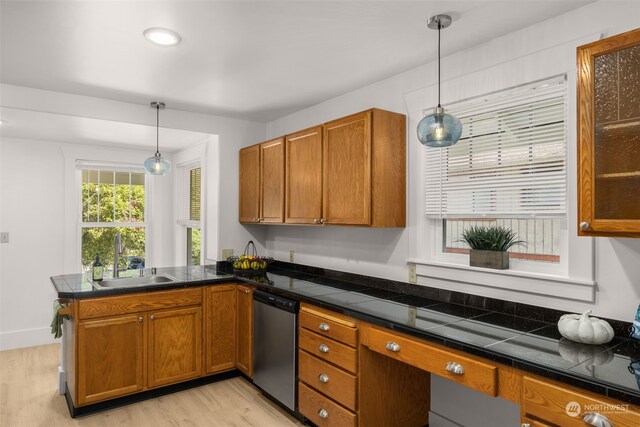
[
  {"x": 508, "y": 169},
  {"x": 191, "y": 212},
  {"x": 113, "y": 201}
]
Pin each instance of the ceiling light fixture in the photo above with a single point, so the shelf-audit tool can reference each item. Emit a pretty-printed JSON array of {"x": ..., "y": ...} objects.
[
  {"x": 157, "y": 165},
  {"x": 162, "y": 36},
  {"x": 439, "y": 129}
]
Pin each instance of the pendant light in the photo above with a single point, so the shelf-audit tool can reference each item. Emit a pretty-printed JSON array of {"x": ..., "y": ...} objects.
[
  {"x": 439, "y": 129},
  {"x": 157, "y": 165}
]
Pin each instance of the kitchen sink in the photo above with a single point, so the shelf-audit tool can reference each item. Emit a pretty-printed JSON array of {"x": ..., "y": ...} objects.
[{"x": 129, "y": 282}]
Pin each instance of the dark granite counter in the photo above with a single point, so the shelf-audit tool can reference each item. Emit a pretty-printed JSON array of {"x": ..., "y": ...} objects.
[{"x": 530, "y": 343}]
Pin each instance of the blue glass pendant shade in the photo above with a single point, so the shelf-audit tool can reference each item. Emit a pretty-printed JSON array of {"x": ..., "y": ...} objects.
[
  {"x": 157, "y": 165},
  {"x": 439, "y": 129}
]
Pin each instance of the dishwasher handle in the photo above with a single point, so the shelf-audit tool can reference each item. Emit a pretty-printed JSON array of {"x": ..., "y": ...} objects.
[{"x": 276, "y": 301}]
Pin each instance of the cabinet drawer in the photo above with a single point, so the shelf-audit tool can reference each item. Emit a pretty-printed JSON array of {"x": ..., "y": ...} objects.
[
  {"x": 312, "y": 404},
  {"x": 328, "y": 349},
  {"x": 329, "y": 326},
  {"x": 327, "y": 379},
  {"x": 551, "y": 402},
  {"x": 477, "y": 375},
  {"x": 136, "y": 303}
]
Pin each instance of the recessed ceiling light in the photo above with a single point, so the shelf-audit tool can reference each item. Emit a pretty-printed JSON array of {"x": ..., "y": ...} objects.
[{"x": 162, "y": 36}]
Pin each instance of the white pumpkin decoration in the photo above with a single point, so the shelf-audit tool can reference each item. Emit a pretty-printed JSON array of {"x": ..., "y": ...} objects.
[{"x": 584, "y": 329}]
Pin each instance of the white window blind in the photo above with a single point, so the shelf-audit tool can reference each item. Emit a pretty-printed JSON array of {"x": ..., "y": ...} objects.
[
  {"x": 189, "y": 215},
  {"x": 510, "y": 160}
]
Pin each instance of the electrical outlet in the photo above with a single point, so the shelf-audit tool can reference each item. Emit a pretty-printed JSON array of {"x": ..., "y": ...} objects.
[
  {"x": 226, "y": 253},
  {"x": 4, "y": 237},
  {"x": 291, "y": 256},
  {"x": 413, "y": 278}
]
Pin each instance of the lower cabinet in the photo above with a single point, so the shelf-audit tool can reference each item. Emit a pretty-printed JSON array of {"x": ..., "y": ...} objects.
[
  {"x": 110, "y": 358},
  {"x": 220, "y": 328},
  {"x": 244, "y": 348},
  {"x": 174, "y": 349}
]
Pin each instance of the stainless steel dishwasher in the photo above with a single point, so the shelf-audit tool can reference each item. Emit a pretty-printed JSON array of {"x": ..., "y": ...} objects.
[{"x": 275, "y": 362}]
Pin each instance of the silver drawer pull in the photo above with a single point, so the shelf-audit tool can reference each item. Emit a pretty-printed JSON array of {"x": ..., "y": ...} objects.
[
  {"x": 393, "y": 346},
  {"x": 597, "y": 420},
  {"x": 525, "y": 425},
  {"x": 323, "y": 327},
  {"x": 454, "y": 368},
  {"x": 323, "y": 378},
  {"x": 152, "y": 317},
  {"x": 323, "y": 413},
  {"x": 323, "y": 348},
  {"x": 140, "y": 318}
]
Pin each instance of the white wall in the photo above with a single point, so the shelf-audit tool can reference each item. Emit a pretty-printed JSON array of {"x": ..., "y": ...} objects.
[
  {"x": 32, "y": 171},
  {"x": 383, "y": 253}
]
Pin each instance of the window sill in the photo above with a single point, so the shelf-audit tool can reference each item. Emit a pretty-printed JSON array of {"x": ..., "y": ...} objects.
[{"x": 523, "y": 282}]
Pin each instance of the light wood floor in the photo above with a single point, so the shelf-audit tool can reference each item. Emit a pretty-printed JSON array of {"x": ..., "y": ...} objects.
[{"x": 29, "y": 397}]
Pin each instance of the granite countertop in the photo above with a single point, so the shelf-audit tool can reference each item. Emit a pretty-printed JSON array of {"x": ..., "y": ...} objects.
[{"x": 528, "y": 344}]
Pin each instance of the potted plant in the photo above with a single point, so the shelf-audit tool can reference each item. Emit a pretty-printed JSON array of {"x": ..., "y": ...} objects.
[{"x": 489, "y": 246}]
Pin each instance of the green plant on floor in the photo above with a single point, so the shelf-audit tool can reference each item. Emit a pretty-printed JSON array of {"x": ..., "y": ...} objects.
[{"x": 493, "y": 238}]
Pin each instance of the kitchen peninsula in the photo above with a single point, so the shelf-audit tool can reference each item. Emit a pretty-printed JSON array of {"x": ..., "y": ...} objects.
[{"x": 400, "y": 339}]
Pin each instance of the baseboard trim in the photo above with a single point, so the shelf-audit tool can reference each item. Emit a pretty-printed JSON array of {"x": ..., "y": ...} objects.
[{"x": 26, "y": 338}]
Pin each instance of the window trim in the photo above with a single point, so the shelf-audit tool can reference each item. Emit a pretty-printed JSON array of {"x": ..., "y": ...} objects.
[{"x": 575, "y": 280}]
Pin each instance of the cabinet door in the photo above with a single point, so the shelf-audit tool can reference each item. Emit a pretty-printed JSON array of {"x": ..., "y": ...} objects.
[
  {"x": 250, "y": 184},
  {"x": 609, "y": 136},
  {"x": 346, "y": 183},
  {"x": 175, "y": 346},
  {"x": 220, "y": 328},
  {"x": 272, "y": 181},
  {"x": 303, "y": 201},
  {"x": 244, "y": 353},
  {"x": 110, "y": 358}
]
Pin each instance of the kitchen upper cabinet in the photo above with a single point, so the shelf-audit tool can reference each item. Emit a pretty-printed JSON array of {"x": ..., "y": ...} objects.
[
  {"x": 262, "y": 182},
  {"x": 609, "y": 136},
  {"x": 350, "y": 171},
  {"x": 175, "y": 346},
  {"x": 303, "y": 202},
  {"x": 220, "y": 328},
  {"x": 250, "y": 184},
  {"x": 244, "y": 352},
  {"x": 346, "y": 174},
  {"x": 111, "y": 359},
  {"x": 272, "y": 181}
]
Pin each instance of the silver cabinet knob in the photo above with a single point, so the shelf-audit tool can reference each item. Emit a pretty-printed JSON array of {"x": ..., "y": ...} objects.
[
  {"x": 323, "y": 327},
  {"x": 595, "y": 419},
  {"x": 316, "y": 221},
  {"x": 584, "y": 226},
  {"x": 525, "y": 425},
  {"x": 323, "y": 348},
  {"x": 393, "y": 346},
  {"x": 322, "y": 220},
  {"x": 152, "y": 317},
  {"x": 140, "y": 318},
  {"x": 323, "y": 413},
  {"x": 454, "y": 368},
  {"x": 256, "y": 219},
  {"x": 323, "y": 378}
]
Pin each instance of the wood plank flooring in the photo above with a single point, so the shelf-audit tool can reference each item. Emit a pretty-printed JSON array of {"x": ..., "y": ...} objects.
[{"x": 29, "y": 397}]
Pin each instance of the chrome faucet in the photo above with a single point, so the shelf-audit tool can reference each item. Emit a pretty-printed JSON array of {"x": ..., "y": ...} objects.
[{"x": 117, "y": 251}]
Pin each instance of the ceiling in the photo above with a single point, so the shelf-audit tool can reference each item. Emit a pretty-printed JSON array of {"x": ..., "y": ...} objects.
[{"x": 256, "y": 60}]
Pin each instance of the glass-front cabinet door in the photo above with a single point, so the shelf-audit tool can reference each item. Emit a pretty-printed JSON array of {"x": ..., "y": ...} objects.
[{"x": 609, "y": 136}]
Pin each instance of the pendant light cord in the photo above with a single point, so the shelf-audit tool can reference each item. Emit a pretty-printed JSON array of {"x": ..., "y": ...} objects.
[
  {"x": 439, "y": 27},
  {"x": 158, "y": 128}
]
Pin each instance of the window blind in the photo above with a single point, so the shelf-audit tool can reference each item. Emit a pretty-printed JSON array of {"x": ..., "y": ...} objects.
[
  {"x": 190, "y": 196},
  {"x": 510, "y": 160},
  {"x": 194, "y": 194}
]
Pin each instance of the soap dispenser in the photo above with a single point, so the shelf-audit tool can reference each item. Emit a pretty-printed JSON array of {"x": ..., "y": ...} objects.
[{"x": 98, "y": 270}]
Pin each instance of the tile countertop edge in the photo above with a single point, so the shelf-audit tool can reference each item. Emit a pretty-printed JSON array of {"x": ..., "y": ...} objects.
[{"x": 597, "y": 387}]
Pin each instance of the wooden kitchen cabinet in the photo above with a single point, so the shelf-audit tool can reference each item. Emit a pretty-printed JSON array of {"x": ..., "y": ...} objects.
[
  {"x": 244, "y": 352},
  {"x": 220, "y": 328},
  {"x": 262, "y": 182},
  {"x": 174, "y": 346},
  {"x": 303, "y": 183},
  {"x": 249, "y": 187},
  {"x": 609, "y": 136},
  {"x": 110, "y": 358}
]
